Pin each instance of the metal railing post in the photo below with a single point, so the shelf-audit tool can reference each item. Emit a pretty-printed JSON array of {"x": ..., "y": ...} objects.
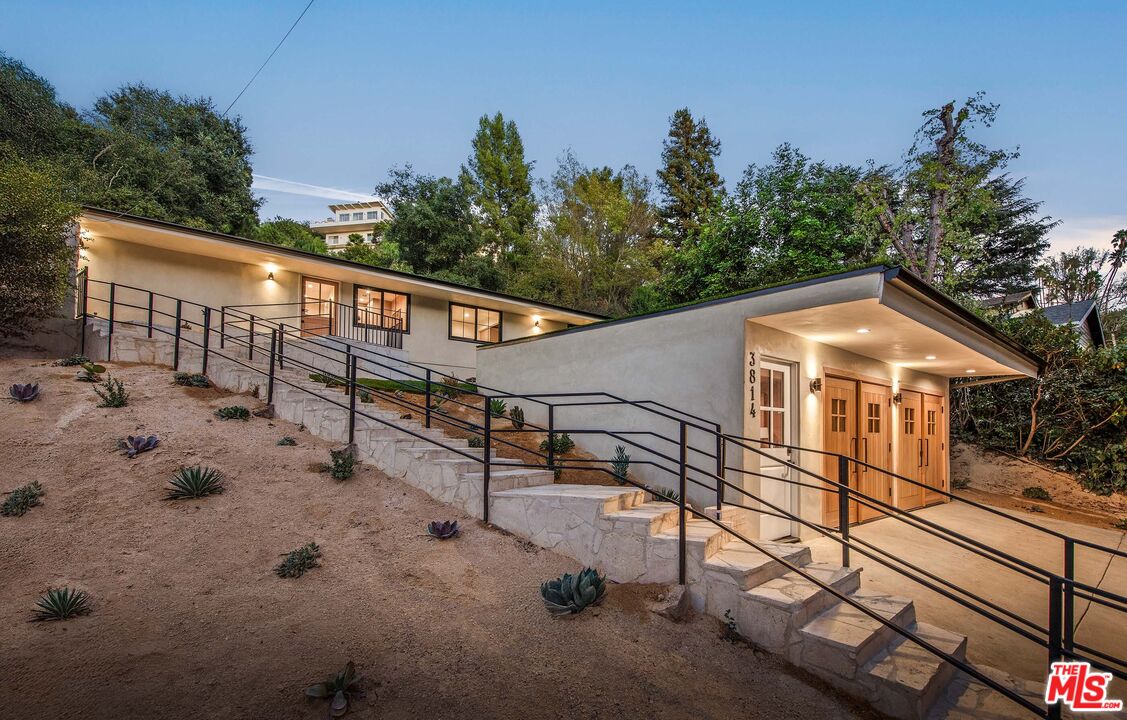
[
  {"x": 282, "y": 346},
  {"x": 1055, "y": 632},
  {"x": 270, "y": 378},
  {"x": 488, "y": 432},
  {"x": 1069, "y": 593},
  {"x": 721, "y": 449},
  {"x": 843, "y": 507},
  {"x": 222, "y": 327},
  {"x": 352, "y": 399},
  {"x": 347, "y": 358},
  {"x": 150, "y": 313},
  {"x": 176, "y": 342},
  {"x": 250, "y": 347},
  {"x": 551, "y": 437},
  {"x": 109, "y": 339},
  {"x": 206, "y": 336},
  {"x": 427, "y": 395},
  {"x": 85, "y": 308},
  {"x": 682, "y": 547}
]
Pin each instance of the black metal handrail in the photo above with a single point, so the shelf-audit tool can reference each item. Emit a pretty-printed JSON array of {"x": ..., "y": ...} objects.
[{"x": 341, "y": 321}]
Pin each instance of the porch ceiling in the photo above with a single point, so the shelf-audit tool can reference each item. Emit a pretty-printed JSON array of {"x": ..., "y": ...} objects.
[{"x": 897, "y": 339}]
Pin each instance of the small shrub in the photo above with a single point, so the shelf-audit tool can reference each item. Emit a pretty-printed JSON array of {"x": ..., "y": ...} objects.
[
  {"x": 113, "y": 394},
  {"x": 1120, "y": 524},
  {"x": 665, "y": 494},
  {"x": 620, "y": 465},
  {"x": 960, "y": 483},
  {"x": 73, "y": 361},
  {"x": 233, "y": 412},
  {"x": 62, "y": 604},
  {"x": 562, "y": 444},
  {"x": 22, "y": 499},
  {"x": 451, "y": 387},
  {"x": 731, "y": 628},
  {"x": 1036, "y": 492},
  {"x": 573, "y": 593},
  {"x": 516, "y": 417},
  {"x": 330, "y": 381},
  {"x": 195, "y": 482},
  {"x": 399, "y": 394},
  {"x": 497, "y": 407},
  {"x": 134, "y": 445},
  {"x": 90, "y": 373},
  {"x": 286, "y": 440},
  {"x": 191, "y": 380},
  {"x": 1035, "y": 509},
  {"x": 24, "y": 393},
  {"x": 365, "y": 396},
  {"x": 343, "y": 464},
  {"x": 476, "y": 441},
  {"x": 442, "y": 529},
  {"x": 340, "y": 690},
  {"x": 298, "y": 561}
]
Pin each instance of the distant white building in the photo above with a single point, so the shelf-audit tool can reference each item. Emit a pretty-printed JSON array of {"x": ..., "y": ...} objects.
[{"x": 351, "y": 218}]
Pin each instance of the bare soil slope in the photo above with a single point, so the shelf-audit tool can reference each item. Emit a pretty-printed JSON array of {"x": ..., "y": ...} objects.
[{"x": 190, "y": 622}]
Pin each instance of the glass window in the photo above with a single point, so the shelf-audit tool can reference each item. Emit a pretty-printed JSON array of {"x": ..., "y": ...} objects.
[
  {"x": 931, "y": 422},
  {"x": 475, "y": 324},
  {"x": 344, "y": 217},
  {"x": 873, "y": 417},
  {"x": 772, "y": 407},
  {"x": 382, "y": 309},
  {"x": 374, "y": 215},
  {"x": 837, "y": 415},
  {"x": 909, "y": 421}
]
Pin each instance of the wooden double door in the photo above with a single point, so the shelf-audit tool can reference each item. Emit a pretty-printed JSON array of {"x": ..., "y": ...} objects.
[{"x": 859, "y": 423}]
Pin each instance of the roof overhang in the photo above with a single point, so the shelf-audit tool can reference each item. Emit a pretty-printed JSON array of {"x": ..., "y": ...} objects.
[{"x": 97, "y": 223}]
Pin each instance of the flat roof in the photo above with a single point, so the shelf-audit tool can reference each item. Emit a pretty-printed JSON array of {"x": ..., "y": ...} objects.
[{"x": 109, "y": 216}]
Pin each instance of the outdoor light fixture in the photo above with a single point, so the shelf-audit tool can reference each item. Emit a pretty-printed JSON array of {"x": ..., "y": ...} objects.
[
  {"x": 970, "y": 371},
  {"x": 898, "y": 398},
  {"x": 270, "y": 276},
  {"x": 863, "y": 331},
  {"x": 816, "y": 385},
  {"x": 929, "y": 357}
]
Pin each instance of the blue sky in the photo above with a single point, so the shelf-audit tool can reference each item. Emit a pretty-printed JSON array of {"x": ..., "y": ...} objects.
[{"x": 359, "y": 87}]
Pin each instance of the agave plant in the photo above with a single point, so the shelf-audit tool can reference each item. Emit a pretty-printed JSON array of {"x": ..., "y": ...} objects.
[
  {"x": 665, "y": 493},
  {"x": 340, "y": 690},
  {"x": 442, "y": 529},
  {"x": 191, "y": 380},
  {"x": 22, "y": 499},
  {"x": 72, "y": 361},
  {"x": 561, "y": 443},
  {"x": 476, "y": 441},
  {"x": 113, "y": 394},
  {"x": 90, "y": 372},
  {"x": 516, "y": 416},
  {"x": 286, "y": 440},
  {"x": 572, "y": 593},
  {"x": 298, "y": 561},
  {"x": 497, "y": 407},
  {"x": 234, "y": 412},
  {"x": 24, "y": 393},
  {"x": 195, "y": 482},
  {"x": 62, "y": 604},
  {"x": 343, "y": 464},
  {"x": 620, "y": 464},
  {"x": 134, "y": 445}
]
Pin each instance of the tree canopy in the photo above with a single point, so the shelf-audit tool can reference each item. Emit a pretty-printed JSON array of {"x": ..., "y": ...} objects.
[{"x": 689, "y": 183}]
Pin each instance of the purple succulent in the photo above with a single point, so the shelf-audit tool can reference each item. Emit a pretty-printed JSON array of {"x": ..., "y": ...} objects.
[
  {"x": 443, "y": 529},
  {"x": 134, "y": 445},
  {"x": 24, "y": 393}
]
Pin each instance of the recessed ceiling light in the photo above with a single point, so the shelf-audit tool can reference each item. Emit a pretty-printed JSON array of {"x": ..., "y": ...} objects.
[
  {"x": 929, "y": 357},
  {"x": 970, "y": 371},
  {"x": 863, "y": 330}
]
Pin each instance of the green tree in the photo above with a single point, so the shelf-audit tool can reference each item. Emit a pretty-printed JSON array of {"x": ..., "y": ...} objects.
[
  {"x": 1071, "y": 276},
  {"x": 689, "y": 183},
  {"x": 291, "y": 233},
  {"x": 498, "y": 180},
  {"x": 33, "y": 121},
  {"x": 928, "y": 211},
  {"x": 383, "y": 253},
  {"x": 35, "y": 217}
]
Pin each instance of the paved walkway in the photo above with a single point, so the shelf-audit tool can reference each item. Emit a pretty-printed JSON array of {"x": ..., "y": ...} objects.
[{"x": 991, "y": 644}]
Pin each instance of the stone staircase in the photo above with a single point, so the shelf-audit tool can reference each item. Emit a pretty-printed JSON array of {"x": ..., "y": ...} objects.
[{"x": 633, "y": 537}]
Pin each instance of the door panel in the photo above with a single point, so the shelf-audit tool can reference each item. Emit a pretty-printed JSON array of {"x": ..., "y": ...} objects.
[
  {"x": 776, "y": 408},
  {"x": 910, "y": 450},
  {"x": 875, "y": 436},
  {"x": 839, "y": 436},
  {"x": 934, "y": 447},
  {"x": 318, "y": 306}
]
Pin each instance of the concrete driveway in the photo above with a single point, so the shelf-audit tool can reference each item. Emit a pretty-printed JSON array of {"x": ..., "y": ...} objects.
[{"x": 989, "y": 643}]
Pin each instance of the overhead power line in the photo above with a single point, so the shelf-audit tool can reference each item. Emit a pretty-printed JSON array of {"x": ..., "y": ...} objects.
[{"x": 268, "y": 58}]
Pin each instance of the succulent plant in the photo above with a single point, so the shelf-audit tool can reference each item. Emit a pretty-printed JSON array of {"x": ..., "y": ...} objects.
[
  {"x": 191, "y": 379},
  {"x": 1037, "y": 493},
  {"x": 476, "y": 441},
  {"x": 286, "y": 440},
  {"x": 442, "y": 529},
  {"x": 137, "y": 444},
  {"x": 365, "y": 396},
  {"x": 298, "y": 561},
  {"x": 90, "y": 372},
  {"x": 113, "y": 394},
  {"x": 22, "y": 499},
  {"x": 562, "y": 444},
  {"x": 516, "y": 417},
  {"x": 497, "y": 407},
  {"x": 72, "y": 361},
  {"x": 572, "y": 593},
  {"x": 233, "y": 412},
  {"x": 343, "y": 464},
  {"x": 24, "y": 393},
  {"x": 620, "y": 464},
  {"x": 340, "y": 690},
  {"x": 62, "y": 604},
  {"x": 665, "y": 494},
  {"x": 399, "y": 394},
  {"x": 195, "y": 482}
]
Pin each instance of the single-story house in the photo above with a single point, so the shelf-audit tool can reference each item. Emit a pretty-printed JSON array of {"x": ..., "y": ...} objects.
[
  {"x": 409, "y": 317},
  {"x": 858, "y": 363},
  {"x": 1083, "y": 316}
]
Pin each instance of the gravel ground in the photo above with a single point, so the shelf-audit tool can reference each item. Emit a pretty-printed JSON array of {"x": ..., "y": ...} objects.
[{"x": 189, "y": 620}]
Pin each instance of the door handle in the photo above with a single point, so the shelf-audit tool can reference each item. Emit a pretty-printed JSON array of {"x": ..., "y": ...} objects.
[
  {"x": 920, "y": 448},
  {"x": 865, "y": 441},
  {"x": 927, "y": 452}
]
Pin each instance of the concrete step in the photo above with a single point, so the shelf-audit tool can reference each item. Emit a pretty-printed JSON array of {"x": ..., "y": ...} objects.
[
  {"x": 650, "y": 518},
  {"x": 967, "y": 698},
  {"x": 906, "y": 681},
  {"x": 501, "y": 480},
  {"x": 842, "y": 638},
  {"x": 749, "y": 567},
  {"x": 702, "y": 538},
  {"x": 770, "y": 614}
]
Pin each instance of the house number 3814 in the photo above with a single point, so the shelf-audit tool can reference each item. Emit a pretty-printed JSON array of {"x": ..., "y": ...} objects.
[{"x": 752, "y": 376}]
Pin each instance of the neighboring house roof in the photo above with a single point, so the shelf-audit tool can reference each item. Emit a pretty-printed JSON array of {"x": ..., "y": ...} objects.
[
  {"x": 110, "y": 215},
  {"x": 1084, "y": 313},
  {"x": 1014, "y": 298}
]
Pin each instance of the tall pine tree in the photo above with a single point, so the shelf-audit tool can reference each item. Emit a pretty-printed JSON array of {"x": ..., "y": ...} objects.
[{"x": 689, "y": 183}]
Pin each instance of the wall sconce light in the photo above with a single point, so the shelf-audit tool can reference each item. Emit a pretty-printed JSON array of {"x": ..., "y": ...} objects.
[
  {"x": 536, "y": 324},
  {"x": 270, "y": 276},
  {"x": 898, "y": 398},
  {"x": 816, "y": 385}
]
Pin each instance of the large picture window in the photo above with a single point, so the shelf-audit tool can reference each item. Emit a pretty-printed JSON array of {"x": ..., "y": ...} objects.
[
  {"x": 474, "y": 324},
  {"x": 377, "y": 308}
]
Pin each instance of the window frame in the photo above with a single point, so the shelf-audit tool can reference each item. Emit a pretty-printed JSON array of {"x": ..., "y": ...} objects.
[
  {"x": 450, "y": 323},
  {"x": 356, "y": 288}
]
